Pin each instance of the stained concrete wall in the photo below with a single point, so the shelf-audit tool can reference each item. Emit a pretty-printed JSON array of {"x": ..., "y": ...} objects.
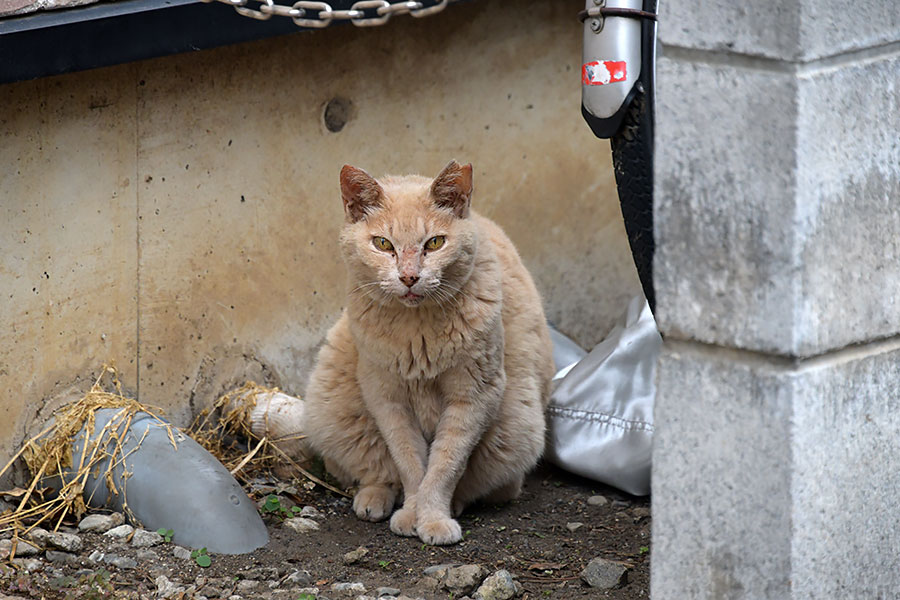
[
  {"x": 777, "y": 226},
  {"x": 178, "y": 216}
]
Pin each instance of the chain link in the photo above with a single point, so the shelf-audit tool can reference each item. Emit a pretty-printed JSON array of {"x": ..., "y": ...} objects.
[{"x": 317, "y": 15}]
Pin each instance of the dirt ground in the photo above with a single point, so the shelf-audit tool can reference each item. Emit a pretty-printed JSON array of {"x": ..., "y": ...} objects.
[{"x": 528, "y": 537}]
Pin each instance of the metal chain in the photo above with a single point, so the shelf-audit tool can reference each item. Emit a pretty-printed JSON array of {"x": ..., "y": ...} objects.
[{"x": 310, "y": 13}]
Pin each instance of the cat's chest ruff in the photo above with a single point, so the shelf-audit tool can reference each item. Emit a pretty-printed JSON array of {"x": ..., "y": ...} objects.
[{"x": 418, "y": 348}]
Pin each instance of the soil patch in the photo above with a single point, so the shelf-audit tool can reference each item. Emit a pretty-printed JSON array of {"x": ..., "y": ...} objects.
[{"x": 536, "y": 538}]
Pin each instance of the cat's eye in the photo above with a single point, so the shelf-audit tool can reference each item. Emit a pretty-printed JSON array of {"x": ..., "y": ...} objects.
[
  {"x": 383, "y": 244},
  {"x": 435, "y": 242}
]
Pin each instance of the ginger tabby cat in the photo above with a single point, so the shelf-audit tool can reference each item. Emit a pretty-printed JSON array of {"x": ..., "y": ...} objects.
[{"x": 435, "y": 378}]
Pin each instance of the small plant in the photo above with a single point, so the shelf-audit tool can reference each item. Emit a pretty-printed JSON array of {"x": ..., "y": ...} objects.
[
  {"x": 644, "y": 550},
  {"x": 201, "y": 557},
  {"x": 306, "y": 596},
  {"x": 166, "y": 533},
  {"x": 272, "y": 505},
  {"x": 384, "y": 563}
]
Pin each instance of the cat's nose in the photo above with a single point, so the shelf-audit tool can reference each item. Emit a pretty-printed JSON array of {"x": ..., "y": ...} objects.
[{"x": 409, "y": 280}]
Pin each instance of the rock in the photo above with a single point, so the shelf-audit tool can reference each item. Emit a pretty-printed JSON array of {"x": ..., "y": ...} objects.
[
  {"x": 64, "y": 558},
  {"x": 121, "y": 532},
  {"x": 621, "y": 504},
  {"x": 301, "y": 524},
  {"x": 39, "y": 535},
  {"x": 64, "y": 541},
  {"x": 146, "y": 539},
  {"x": 25, "y": 549},
  {"x": 147, "y": 555},
  {"x": 181, "y": 552},
  {"x": 464, "y": 579},
  {"x": 5, "y": 547},
  {"x": 310, "y": 512},
  {"x": 101, "y": 523},
  {"x": 597, "y": 501},
  {"x": 299, "y": 578},
  {"x": 499, "y": 586},
  {"x": 245, "y": 586},
  {"x": 387, "y": 591},
  {"x": 165, "y": 588},
  {"x": 96, "y": 556},
  {"x": 604, "y": 574},
  {"x": 120, "y": 562},
  {"x": 429, "y": 583},
  {"x": 574, "y": 526},
  {"x": 438, "y": 571},
  {"x": 641, "y": 511},
  {"x": 348, "y": 589},
  {"x": 354, "y": 556},
  {"x": 30, "y": 565}
]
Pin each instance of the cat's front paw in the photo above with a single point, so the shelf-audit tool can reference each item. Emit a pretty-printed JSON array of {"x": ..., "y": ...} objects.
[
  {"x": 374, "y": 502},
  {"x": 403, "y": 522},
  {"x": 440, "y": 532}
]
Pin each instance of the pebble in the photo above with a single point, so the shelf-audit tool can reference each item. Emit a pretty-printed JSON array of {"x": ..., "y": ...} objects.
[
  {"x": 299, "y": 578},
  {"x": 25, "y": 549},
  {"x": 39, "y": 535},
  {"x": 387, "y": 591},
  {"x": 30, "y": 565},
  {"x": 66, "y": 558},
  {"x": 166, "y": 588},
  {"x": 121, "y": 562},
  {"x": 310, "y": 512},
  {"x": 181, "y": 552},
  {"x": 641, "y": 511},
  {"x": 301, "y": 524},
  {"x": 146, "y": 539},
  {"x": 64, "y": 541},
  {"x": 313, "y": 591},
  {"x": 597, "y": 501},
  {"x": 120, "y": 532},
  {"x": 438, "y": 571},
  {"x": 101, "y": 523},
  {"x": 604, "y": 574},
  {"x": 499, "y": 586},
  {"x": 348, "y": 589},
  {"x": 621, "y": 503},
  {"x": 5, "y": 547},
  {"x": 354, "y": 556},
  {"x": 574, "y": 526},
  {"x": 462, "y": 580},
  {"x": 245, "y": 586},
  {"x": 147, "y": 555}
]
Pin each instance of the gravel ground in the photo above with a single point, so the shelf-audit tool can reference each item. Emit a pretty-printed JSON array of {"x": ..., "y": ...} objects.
[{"x": 565, "y": 537}]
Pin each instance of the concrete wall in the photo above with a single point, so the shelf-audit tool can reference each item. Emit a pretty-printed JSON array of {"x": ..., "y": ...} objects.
[
  {"x": 775, "y": 466},
  {"x": 179, "y": 216}
]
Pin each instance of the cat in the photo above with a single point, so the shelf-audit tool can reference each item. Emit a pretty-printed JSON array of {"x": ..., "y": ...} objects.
[{"x": 435, "y": 378}]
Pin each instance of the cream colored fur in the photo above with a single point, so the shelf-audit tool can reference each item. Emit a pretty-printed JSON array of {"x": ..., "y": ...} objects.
[{"x": 436, "y": 390}]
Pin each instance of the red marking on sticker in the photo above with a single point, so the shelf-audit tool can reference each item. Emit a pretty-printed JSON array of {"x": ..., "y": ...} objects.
[{"x": 601, "y": 72}]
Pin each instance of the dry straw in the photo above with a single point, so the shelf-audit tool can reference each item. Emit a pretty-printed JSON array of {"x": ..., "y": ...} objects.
[
  {"x": 48, "y": 456},
  {"x": 262, "y": 454}
]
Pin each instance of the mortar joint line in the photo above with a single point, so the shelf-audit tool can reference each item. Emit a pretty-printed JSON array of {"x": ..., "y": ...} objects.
[{"x": 787, "y": 363}]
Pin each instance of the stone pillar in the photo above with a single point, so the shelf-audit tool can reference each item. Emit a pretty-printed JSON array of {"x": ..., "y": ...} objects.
[{"x": 776, "y": 466}]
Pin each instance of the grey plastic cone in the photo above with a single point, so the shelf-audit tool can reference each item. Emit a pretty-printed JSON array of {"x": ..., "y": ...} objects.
[{"x": 181, "y": 487}]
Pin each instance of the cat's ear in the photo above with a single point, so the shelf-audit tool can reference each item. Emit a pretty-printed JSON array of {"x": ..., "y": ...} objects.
[
  {"x": 453, "y": 189},
  {"x": 360, "y": 192}
]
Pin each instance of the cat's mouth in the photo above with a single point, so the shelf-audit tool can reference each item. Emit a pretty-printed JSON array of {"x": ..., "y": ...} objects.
[{"x": 411, "y": 299}]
